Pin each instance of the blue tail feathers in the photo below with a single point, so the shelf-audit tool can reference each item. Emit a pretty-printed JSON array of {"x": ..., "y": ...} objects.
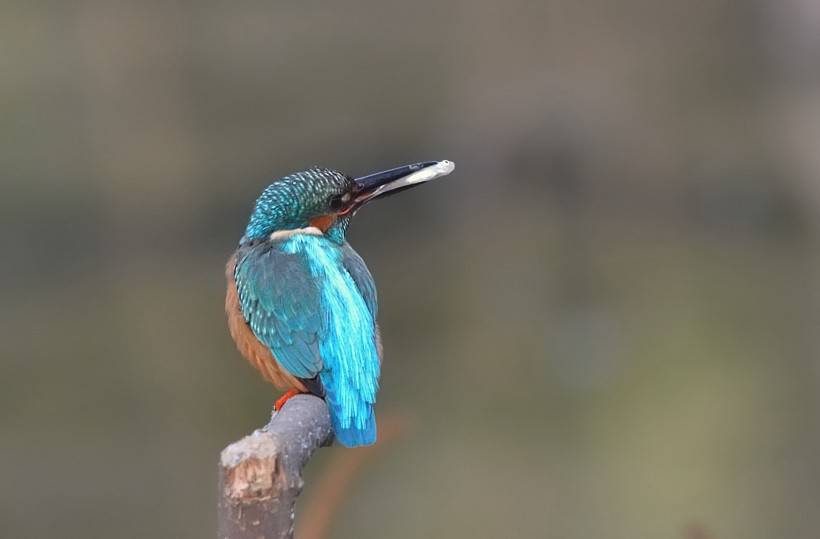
[
  {"x": 354, "y": 436},
  {"x": 347, "y": 342},
  {"x": 353, "y": 417}
]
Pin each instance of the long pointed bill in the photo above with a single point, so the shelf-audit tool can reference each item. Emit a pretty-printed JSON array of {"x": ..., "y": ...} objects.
[{"x": 397, "y": 179}]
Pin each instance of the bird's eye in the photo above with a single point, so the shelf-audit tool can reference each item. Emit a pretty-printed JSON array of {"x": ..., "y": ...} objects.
[{"x": 339, "y": 202}]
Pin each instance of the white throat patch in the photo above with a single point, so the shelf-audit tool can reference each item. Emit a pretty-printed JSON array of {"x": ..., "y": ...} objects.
[{"x": 285, "y": 234}]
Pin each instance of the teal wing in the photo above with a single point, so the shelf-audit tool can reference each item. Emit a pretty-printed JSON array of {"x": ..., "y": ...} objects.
[
  {"x": 361, "y": 276},
  {"x": 281, "y": 302}
]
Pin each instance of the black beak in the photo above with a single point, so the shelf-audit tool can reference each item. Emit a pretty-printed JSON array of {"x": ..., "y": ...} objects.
[{"x": 398, "y": 179}]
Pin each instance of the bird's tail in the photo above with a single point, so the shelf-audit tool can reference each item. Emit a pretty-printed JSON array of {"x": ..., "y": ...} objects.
[
  {"x": 352, "y": 430},
  {"x": 354, "y": 436}
]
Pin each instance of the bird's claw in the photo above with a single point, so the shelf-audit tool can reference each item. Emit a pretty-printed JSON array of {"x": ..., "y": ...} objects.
[{"x": 284, "y": 398}]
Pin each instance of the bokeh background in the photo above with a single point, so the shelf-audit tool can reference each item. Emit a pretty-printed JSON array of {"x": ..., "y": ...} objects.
[{"x": 604, "y": 324}]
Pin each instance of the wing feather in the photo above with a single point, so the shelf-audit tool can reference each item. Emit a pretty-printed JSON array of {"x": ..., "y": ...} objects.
[
  {"x": 355, "y": 266},
  {"x": 281, "y": 302}
]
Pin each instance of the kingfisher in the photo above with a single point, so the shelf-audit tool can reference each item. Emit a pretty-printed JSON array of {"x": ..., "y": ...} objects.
[{"x": 301, "y": 303}]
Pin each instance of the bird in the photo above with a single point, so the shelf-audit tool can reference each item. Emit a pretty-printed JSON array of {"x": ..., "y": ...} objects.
[{"x": 301, "y": 303}]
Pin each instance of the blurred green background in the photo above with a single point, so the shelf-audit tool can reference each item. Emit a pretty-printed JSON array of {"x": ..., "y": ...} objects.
[{"x": 604, "y": 324}]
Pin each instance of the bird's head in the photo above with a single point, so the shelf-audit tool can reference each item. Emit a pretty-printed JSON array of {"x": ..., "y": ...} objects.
[{"x": 327, "y": 199}]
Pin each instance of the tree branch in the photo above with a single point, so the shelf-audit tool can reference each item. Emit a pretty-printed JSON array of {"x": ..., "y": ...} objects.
[{"x": 260, "y": 476}]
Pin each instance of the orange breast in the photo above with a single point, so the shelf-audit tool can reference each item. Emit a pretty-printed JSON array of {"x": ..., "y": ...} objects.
[{"x": 249, "y": 346}]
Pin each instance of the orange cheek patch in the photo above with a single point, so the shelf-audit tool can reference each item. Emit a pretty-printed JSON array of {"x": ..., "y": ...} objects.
[{"x": 324, "y": 222}]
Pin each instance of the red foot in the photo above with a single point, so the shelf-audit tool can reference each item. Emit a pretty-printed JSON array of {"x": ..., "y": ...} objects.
[{"x": 284, "y": 398}]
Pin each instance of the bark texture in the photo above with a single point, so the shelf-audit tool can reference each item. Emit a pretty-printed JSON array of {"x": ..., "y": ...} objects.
[{"x": 260, "y": 476}]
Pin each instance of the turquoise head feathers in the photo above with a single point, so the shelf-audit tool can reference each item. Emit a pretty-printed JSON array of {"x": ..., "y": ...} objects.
[{"x": 293, "y": 201}]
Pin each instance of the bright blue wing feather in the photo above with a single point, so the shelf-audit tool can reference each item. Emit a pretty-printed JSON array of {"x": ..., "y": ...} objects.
[
  {"x": 281, "y": 302},
  {"x": 358, "y": 271},
  {"x": 351, "y": 366}
]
